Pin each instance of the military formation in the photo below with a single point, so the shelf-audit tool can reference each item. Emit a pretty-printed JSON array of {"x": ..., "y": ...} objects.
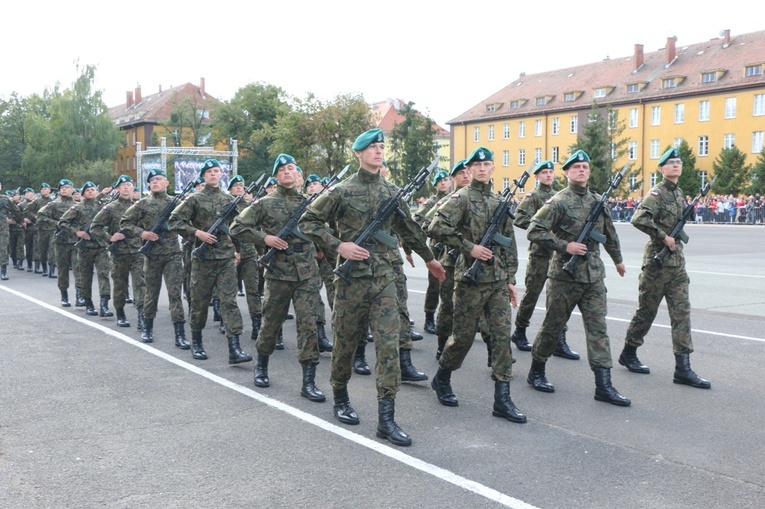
[{"x": 278, "y": 243}]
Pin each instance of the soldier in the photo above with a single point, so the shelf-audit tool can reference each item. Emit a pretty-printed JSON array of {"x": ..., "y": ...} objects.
[
  {"x": 16, "y": 232},
  {"x": 76, "y": 222},
  {"x": 556, "y": 227},
  {"x": 293, "y": 276},
  {"x": 371, "y": 295},
  {"x": 460, "y": 223},
  {"x": 45, "y": 245},
  {"x": 8, "y": 212},
  {"x": 656, "y": 215},
  {"x": 539, "y": 261},
  {"x": 125, "y": 258},
  {"x": 30, "y": 225},
  {"x": 442, "y": 182},
  {"x": 191, "y": 219},
  {"x": 65, "y": 258},
  {"x": 163, "y": 260}
]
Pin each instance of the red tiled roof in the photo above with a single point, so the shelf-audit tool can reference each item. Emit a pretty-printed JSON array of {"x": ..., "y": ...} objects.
[
  {"x": 158, "y": 107},
  {"x": 386, "y": 115}
]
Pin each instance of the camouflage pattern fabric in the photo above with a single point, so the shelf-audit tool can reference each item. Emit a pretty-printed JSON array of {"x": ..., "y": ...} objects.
[{"x": 89, "y": 259}]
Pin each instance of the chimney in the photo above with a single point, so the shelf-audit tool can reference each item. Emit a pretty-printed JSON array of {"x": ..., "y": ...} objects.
[
  {"x": 202, "y": 86},
  {"x": 129, "y": 99},
  {"x": 138, "y": 98},
  {"x": 671, "y": 49},
  {"x": 160, "y": 89},
  {"x": 638, "y": 56},
  {"x": 726, "y": 38}
]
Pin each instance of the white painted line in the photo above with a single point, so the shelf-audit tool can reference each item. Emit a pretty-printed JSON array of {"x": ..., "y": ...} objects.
[{"x": 385, "y": 450}]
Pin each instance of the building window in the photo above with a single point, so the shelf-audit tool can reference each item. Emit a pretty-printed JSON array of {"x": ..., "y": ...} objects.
[
  {"x": 759, "y": 105},
  {"x": 505, "y": 183},
  {"x": 654, "y": 149},
  {"x": 654, "y": 178},
  {"x": 574, "y": 124},
  {"x": 490, "y": 108},
  {"x": 555, "y": 126},
  {"x": 730, "y": 107},
  {"x": 600, "y": 92},
  {"x": 703, "y": 146},
  {"x": 757, "y": 141},
  {"x": 505, "y": 158},
  {"x": 134, "y": 162},
  {"x": 633, "y": 182},
  {"x": 569, "y": 97},
  {"x": 613, "y": 151},
  {"x": 522, "y": 157},
  {"x": 633, "y": 117},
  {"x": 541, "y": 101},
  {"x": 491, "y": 133},
  {"x": 127, "y": 138},
  {"x": 708, "y": 77},
  {"x": 656, "y": 115},
  {"x": 537, "y": 154},
  {"x": 668, "y": 83},
  {"x": 753, "y": 70},
  {"x": 514, "y": 105},
  {"x": 703, "y": 111},
  {"x": 538, "y": 128},
  {"x": 505, "y": 131},
  {"x": 521, "y": 129},
  {"x": 633, "y": 88},
  {"x": 555, "y": 154},
  {"x": 729, "y": 140},
  {"x": 134, "y": 137},
  {"x": 677, "y": 142},
  {"x": 679, "y": 113},
  {"x": 476, "y": 134},
  {"x": 632, "y": 150},
  {"x": 703, "y": 176}
]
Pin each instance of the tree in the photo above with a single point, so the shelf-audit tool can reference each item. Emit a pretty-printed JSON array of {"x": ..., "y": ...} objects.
[
  {"x": 410, "y": 146},
  {"x": 187, "y": 124},
  {"x": 12, "y": 142},
  {"x": 731, "y": 171},
  {"x": 757, "y": 176}
]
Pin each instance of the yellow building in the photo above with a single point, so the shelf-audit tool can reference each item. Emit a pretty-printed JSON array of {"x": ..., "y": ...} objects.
[{"x": 711, "y": 94}]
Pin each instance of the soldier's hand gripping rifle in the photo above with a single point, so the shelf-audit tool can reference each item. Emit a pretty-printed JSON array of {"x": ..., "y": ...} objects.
[
  {"x": 491, "y": 236},
  {"x": 373, "y": 232},
  {"x": 81, "y": 243},
  {"x": 588, "y": 233},
  {"x": 290, "y": 229},
  {"x": 220, "y": 224},
  {"x": 160, "y": 226},
  {"x": 677, "y": 232}
]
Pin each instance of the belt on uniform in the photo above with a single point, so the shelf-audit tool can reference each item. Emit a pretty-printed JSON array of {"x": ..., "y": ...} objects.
[{"x": 298, "y": 248}]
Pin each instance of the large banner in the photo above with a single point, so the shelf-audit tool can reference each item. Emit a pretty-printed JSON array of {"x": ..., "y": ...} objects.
[{"x": 187, "y": 170}]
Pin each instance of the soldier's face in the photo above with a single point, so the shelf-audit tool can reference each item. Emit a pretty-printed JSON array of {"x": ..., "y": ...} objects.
[
  {"x": 126, "y": 190},
  {"x": 546, "y": 177},
  {"x": 461, "y": 178},
  {"x": 90, "y": 193},
  {"x": 45, "y": 191},
  {"x": 158, "y": 184},
  {"x": 237, "y": 189},
  {"x": 66, "y": 191},
  {"x": 287, "y": 175},
  {"x": 212, "y": 176},
  {"x": 314, "y": 187},
  {"x": 444, "y": 184},
  {"x": 672, "y": 169},
  {"x": 482, "y": 171},
  {"x": 372, "y": 157},
  {"x": 578, "y": 173},
  {"x": 29, "y": 196}
]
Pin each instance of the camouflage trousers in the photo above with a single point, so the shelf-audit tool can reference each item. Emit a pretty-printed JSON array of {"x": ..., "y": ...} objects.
[
  {"x": 493, "y": 300},
  {"x": 432, "y": 294},
  {"x": 4, "y": 239},
  {"x": 305, "y": 297},
  {"x": 154, "y": 269},
  {"x": 562, "y": 298},
  {"x": 445, "y": 318},
  {"x": 367, "y": 300},
  {"x": 123, "y": 266},
  {"x": 536, "y": 276},
  {"x": 655, "y": 284},
  {"x": 205, "y": 276},
  {"x": 16, "y": 244},
  {"x": 247, "y": 272},
  {"x": 186, "y": 269},
  {"x": 326, "y": 266},
  {"x": 402, "y": 294},
  {"x": 66, "y": 259},
  {"x": 45, "y": 247},
  {"x": 30, "y": 244},
  {"x": 90, "y": 259}
]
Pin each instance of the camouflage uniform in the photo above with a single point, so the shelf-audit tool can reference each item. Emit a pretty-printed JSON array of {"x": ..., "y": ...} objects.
[
  {"x": 8, "y": 209},
  {"x": 45, "y": 245},
  {"x": 30, "y": 235},
  {"x": 421, "y": 216},
  {"x": 65, "y": 257},
  {"x": 16, "y": 238},
  {"x": 247, "y": 270}
]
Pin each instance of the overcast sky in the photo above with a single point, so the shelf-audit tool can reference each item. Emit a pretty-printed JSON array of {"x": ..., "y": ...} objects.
[{"x": 445, "y": 58}]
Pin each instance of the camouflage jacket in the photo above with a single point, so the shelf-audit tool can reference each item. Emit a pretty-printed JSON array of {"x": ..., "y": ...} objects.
[
  {"x": 352, "y": 204},
  {"x": 246, "y": 250},
  {"x": 656, "y": 216},
  {"x": 198, "y": 212},
  {"x": 78, "y": 218},
  {"x": 9, "y": 209},
  {"x": 421, "y": 215},
  {"x": 532, "y": 202},
  {"x": 560, "y": 221},
  {"x": 32, "y": 210},
  {"x": 44, "y": 221},
  {"x": 460, "y": 223},
  {"x": 107, "y": 223},
  {"x": 142, "y": 216},
  {"x": 52, "y": 214},
  {"x": 267, "y": 216}
]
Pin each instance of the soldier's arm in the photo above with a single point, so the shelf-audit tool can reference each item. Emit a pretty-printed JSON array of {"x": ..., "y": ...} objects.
[
  {"x": 180, "y": 219},
  {"x": 643, "y": 219},
  {"x": 541, "y": 226},
  {"x": 131, "y": 222},
  {"x": 246, "y": 226},
  {"x": 444, "y": 229},
  {"x": 68, "y": 221},
  {"x": 411, "y": 235},
  {"x": 612, "y": 241},
  {"x": 314, "y": 222},
  {"x": 525, "y": 211},
  {"x": 99, "y": 228}
]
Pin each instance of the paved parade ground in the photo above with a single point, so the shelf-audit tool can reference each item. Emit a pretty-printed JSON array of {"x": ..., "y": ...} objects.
[{"x": 92, "y": 418}]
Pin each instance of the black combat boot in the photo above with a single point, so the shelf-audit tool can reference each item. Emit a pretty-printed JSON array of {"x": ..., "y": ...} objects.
[
  {"x": 604, "y": 391},
  {"x": 441, "y": 344},
  {"x": 442, "y": 384},
  {"x": 290, "y": 316},
  {"x": 629, "y": 360},
  {"x": 261, "y": 371},
  {"x": 216, "y": 310},
  {"x": 44, "y": 269},
  {"x": 38, "y": 270},
  {"x": 4, "y": 272},
  {"x": 414, "y": 335},
  {"x": 309, "y": 389},
  {"x": 503, "y": 405},
  {"x": 324, "y": 344},
  {"x": 29, "y": 266},
  {"x": 344, "y": 412},
  {"x": 562, "y": 350},
  {"x": 408, "y": 372},
  {"x": 222, "y": 327},
  {"x": 141, "y": 319},
  {"x": 370, "y": 337},
  {"x": 121, "y": 318},
  {"x": 256, "y": 321},
  {"x": 104, "y": 309},
  {"x": 90, "y": 308},
  {"x": 128, "y": 298},
  {"x": 520, "y": 340},
  {"x": 537, "y": 378},
  {"x": 235, "y": 353},
  {"x": 280, "y": 340},
  {"x": 360, "y": 365},
  {"x": 147, "y": 335},
  {"x": 386, "y": 425},
  {"x": 685, "y": 375},
  {"x": 430, "y": 323},
  {"x": 79, "y": 302},
  {"x": 197, "y": 350},
  {"x": 52, "y": 271},
  {"x": 65, "y": 299},
  {"x": 180, "y": 336}
]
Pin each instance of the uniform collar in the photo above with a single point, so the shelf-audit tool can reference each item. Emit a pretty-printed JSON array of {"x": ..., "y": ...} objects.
[
  {"x": 580, "y": 190},
  {"x": 284, "y": 191},
  {"x": 480, "y": 186},
  {"x": 212, "y": 190},
  {"x": 545, "y": 187},
  {"x": 669, "y": 185},
  {"x": 368, "y": 177}
]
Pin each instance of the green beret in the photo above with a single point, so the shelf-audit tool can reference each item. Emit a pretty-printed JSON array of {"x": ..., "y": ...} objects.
[
  {"x": 325, "y": 181},
  {"x": 543, "y": 165},
  {"x": 78, "y": 190},
  {"x": 672, "y": 153},
  {"x": 88, "y": 185},
  {"x": 479, "y": 154},
  {"x": 210, "y": 163},
  {"x": 367, "y": 138},
  {"x": 311, "y": 178},
  {"x": 271, "y": 182},
  {"x": 299, "y": 169},
  {"x": 198, "y": 181},
  {"x": 155, "y": 173},
  {"x": 440, "y": 175},
  {"x": 577, "y": 157},
  {"x": 282, "y": 160},
  {"x": 44, "y": 184},
  {"x": 65, "y": 182},
  {"x": 122, "y": 180},
  {"x": 458, "y": 167},
  {"x": 29, "y": 190},
  {"x": 10, "y": 193},
  {"x": 236, "y": 180}
]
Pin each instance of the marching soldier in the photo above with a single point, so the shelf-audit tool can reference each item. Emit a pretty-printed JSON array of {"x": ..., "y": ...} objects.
[
  {"x": 16, "y": 232},
  {"x": 8, "y": 212},
  {"x": 66, "y": 259},
  {"x": 45, "y": 246},
  {"x": 656, "y": 215},
  {"x": 30, "y": 226},
  {"x": 556, "y": 227}
]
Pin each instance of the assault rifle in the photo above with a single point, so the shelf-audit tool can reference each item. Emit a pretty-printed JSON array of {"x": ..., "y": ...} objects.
[
  {"x": 81, "y": 243},
  {"x": 160, "y": 225},
  {"x": 677, "y": 232},
  {"x": 491, "y": 236},
  {"x": 373, "y": 232},
  {"x": 588, "y": 233},
  {"x": 220, "y": 223},
  {"x": 290, "y": 230}
]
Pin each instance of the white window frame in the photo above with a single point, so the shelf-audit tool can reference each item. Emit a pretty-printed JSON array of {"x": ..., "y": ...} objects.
[
  {"x": 521, "y": 157},
  {"x": 703, "y": 146},
  {"x": 537, "y": 128},
  {"x": 730, "y": 107},
  {"x": 522, "y": 129},
  {"x": 556, "y": 126},
  {"x": 704, "y": 111},
  {"x": 654, "y": 146},
  {"x": 655, "y": 115},
  {"x": 491, "y": 133},
  {"x": 573, "y": 124},
  {"x": 505, "y": 158},
  {"x": 729, "y": 140},
  {"x": 759, "y": 105},
  {"x": 634, "y": 117},
  {"x": 476, "y": 134},
  {"x": 506, "y": 131},
  {"x": 555, "y": 154},
  {"x": 632, "y": 150},
  {"x": 758, "y": 141},
  {"x": 679, "y": 113}
]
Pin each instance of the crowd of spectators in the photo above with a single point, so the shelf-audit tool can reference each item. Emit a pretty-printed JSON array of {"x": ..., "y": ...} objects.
[{"x": 709, "y": 209}]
